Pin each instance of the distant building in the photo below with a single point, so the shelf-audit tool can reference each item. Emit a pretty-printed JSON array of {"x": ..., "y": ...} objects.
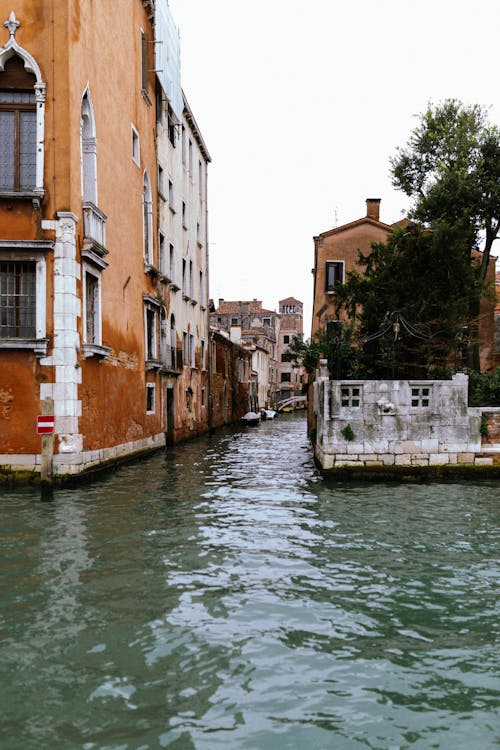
[
  {"x": 290, "y": 376},
  {"x": 256, "y": 329},
  {"x": 232, "y": 389},
  {"x": 183, "y": 269}
]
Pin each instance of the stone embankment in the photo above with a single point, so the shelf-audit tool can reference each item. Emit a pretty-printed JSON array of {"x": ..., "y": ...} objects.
[{"x": 403, "y": 428}]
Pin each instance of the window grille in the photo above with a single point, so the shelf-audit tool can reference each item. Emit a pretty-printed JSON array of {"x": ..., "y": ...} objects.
[
  {"x": 420, "y": 396},
  {"x": 351, "y": 396},
  {"x": 91, "y": 309},
  {"x": 17, "y": 299}
]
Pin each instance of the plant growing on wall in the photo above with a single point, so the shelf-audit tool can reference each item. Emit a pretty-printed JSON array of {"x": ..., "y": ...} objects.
[{"x": 348, "y": 433}]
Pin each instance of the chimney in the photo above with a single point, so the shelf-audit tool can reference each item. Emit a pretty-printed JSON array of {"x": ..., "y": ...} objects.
[
  {"x": 221, "y": 300},
  {"x": 373, "y": 208}
]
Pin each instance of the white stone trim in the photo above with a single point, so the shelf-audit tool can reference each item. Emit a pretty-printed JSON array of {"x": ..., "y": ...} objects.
[
  {"x": 10, "y": 49},
  {"x": 66, "y": 340},
  {"x": 73, "y": 463},
  {"x": 91, "y": 269}
]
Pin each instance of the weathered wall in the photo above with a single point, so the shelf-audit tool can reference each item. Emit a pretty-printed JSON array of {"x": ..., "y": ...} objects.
[
  {"x": 99, "y": 403},
  {"x": 229, "y": 382},
  {"x": 366, "y": 424}
]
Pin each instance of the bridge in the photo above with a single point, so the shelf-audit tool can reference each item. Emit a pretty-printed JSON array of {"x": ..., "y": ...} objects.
[{"x": 287, "y": 401}]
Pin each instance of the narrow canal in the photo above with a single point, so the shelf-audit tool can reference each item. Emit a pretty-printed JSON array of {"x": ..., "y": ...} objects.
[{"x": 226, "y": 596}]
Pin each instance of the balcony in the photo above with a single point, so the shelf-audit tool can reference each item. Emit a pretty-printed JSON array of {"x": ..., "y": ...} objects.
[
  {"x": 171, "y": 359},
  {"x": 94, "y": 230}
]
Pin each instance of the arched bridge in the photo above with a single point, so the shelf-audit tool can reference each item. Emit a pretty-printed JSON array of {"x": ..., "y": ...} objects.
[{"x": 287, "y": 401}]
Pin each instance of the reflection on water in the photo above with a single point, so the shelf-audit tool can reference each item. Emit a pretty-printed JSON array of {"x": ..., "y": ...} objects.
[{"x": 226, "y": 596}]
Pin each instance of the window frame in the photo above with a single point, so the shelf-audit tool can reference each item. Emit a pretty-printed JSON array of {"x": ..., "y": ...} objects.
[
  {"x": 351, "y": 396},
  {"x": 151, "y": 394},
  {"x": 136, "y": 145},
  {"x": 30, "y": 251},
  {"x": 8, "y": 50},
  {"x": 334, "y": 264},
  {"x": 420, "y": 396},
  {"x": 89, "y": 271},
  {"x": 151, "y": 315}
]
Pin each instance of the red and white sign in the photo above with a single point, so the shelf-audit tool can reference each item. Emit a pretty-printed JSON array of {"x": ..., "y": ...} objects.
[{"x": 45, "y": 424}]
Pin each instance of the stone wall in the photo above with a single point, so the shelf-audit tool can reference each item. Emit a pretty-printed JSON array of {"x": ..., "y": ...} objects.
[{"x": 370, "y": 424}]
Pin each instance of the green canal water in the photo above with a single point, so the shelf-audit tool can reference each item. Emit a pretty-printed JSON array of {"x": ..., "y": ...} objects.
[{"x": 226, "y": 596}]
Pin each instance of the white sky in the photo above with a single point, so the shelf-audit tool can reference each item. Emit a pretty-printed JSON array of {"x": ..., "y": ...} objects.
[{"x": 301, "y": 105}]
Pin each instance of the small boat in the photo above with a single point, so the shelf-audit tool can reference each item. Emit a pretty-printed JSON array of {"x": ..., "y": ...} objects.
[
  {"x": 268, "y": 414},
  {"x": 250, "y": 418}
]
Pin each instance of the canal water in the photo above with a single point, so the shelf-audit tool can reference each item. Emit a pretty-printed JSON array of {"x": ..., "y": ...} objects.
[{"x": 226, "y": 596}]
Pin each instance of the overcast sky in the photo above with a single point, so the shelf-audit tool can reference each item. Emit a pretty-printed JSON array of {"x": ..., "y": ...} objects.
[{"x": 302, "y": 104}]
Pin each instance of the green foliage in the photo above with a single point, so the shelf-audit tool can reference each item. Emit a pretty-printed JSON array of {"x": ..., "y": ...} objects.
[
  {"x": 483, "y": 427},
  {"x": 343, "y": 359},
  {"x": 428, "y": 278},
  {"x": 484, "y": 388},
  {"x": 347, "y": 433},
  {"x": 450, "y": 167}
]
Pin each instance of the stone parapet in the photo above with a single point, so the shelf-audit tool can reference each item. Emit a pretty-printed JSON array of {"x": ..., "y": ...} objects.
[{"x": 399, "y": 426}]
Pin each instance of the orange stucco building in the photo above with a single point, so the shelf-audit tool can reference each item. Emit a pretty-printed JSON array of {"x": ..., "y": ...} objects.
[
  {"x": 81, "y": 299},
  {"x": 336, "y": 253}
]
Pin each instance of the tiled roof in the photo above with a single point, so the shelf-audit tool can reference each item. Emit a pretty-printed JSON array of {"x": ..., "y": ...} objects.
[{"x": 241, "y": 306}]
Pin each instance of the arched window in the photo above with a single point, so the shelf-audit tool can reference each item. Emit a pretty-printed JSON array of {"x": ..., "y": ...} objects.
[
  {"x": 22, "y": 112},
  {"x": 147, "y": 220},
  {"x": 89, "y": 151}
]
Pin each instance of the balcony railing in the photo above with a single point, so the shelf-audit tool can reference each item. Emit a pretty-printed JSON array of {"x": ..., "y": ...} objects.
[
  {"x": 171, "y": 358},
  {"x": 94, "y": 222}
]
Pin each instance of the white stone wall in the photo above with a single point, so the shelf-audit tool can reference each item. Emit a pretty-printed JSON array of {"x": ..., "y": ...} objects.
[
  {"x": 396, "y": 423},
  {"x": 66, "y": 464},
  {"x": 66, "y": 342}
]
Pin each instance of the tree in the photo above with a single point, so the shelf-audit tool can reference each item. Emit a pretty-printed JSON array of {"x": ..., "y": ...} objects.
[
  {"x": 427, "y": 277},
  {"x": 450, "y": 168},
  {"x": 332, "y": 344}
]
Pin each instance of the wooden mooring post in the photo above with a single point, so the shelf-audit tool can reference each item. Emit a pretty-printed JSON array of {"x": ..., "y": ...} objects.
[{"x": 45, "y": 428}]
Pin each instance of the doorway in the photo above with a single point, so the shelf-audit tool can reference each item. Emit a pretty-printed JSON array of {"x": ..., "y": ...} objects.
[{"x": 170, "y": 416}]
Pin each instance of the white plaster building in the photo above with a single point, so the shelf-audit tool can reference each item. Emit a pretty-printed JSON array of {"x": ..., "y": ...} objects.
[{"x": 183, "y": 268}]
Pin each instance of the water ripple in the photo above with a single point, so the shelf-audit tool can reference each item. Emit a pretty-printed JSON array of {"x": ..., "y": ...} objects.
[{"x": 226, "y": 596}]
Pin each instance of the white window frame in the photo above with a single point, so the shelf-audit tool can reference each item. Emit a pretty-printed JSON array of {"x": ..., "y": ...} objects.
[
  {"x": 34, "y": 251},
  {"x": 161, "y": 181},
  {"x": 136, "y": 145},
  {"x": 203, "y": 355},
  {"x": 88, "y": 270},
  {"x": 328, "y": 289},
  {"x": 152, "y": 360},
  {"x": 9, "y": 49},
  {"x": 151, "y": 387},
  {"x": 147, "y": 219},
  {"x": 171, "y": 195}
]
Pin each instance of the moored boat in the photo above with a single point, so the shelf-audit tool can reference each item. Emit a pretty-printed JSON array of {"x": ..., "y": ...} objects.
[{"x": 250, "y": 418}]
